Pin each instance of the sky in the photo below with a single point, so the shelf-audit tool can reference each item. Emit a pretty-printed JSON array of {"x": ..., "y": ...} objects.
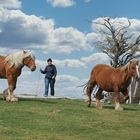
[{"x": 60, "y": 29}]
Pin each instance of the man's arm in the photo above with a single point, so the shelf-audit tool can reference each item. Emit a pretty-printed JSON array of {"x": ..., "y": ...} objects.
[{"x": 44, "y": 71}]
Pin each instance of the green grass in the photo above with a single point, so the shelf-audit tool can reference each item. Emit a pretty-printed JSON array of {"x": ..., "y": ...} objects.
[{"x": 64, "y": 119}]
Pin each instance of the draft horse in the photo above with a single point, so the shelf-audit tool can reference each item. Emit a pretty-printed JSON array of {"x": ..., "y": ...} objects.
[
  {"x": 112, "y": 79},
  {"x": 11, "y": 68}
]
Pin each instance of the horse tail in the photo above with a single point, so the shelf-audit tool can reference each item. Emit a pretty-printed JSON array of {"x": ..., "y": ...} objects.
[{"x": 85, "y": 86}]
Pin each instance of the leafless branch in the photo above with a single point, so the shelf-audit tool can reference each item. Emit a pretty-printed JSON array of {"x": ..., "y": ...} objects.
[{"x": 123, "y": 28}]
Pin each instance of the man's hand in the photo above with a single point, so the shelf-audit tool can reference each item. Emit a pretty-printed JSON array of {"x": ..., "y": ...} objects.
[
  {"x": 41, "y": 70},
  {"x": 53, "y": 77}
]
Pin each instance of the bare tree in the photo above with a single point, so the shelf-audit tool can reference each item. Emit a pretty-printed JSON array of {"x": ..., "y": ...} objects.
[{"x": 118, "y": 44}]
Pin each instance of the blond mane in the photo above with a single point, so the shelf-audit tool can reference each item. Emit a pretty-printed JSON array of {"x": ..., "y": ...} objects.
[
  {"x": 125, "y": 67},
  {"x": 16, "y": 58}
]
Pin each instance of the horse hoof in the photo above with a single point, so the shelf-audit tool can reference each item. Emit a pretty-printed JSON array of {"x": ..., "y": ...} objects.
[
  {"x": 14, "y": 99},
  {"x": 119, "y": 109},
  {"x": 86, "y": 100},
  {"x": 8, "y": 98}
]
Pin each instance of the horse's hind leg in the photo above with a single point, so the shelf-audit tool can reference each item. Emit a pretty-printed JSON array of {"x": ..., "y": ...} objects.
[
  {"x": 89, "y": 90},
  {"x": 126, "y": 96},
  {"x": 117, "y": 100},
  {"x": 98, "y": 98}
]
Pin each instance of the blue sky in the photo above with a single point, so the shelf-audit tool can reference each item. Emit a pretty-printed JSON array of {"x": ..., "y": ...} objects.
[
  {"x": 60, "y": 29},
  {"x": 78, "y": 14}
]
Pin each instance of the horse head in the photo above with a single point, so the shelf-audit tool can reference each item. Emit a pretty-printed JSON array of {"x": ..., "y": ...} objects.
[
  {"x": 29, "y": 60},
  {"x": 134, "y": 69}
]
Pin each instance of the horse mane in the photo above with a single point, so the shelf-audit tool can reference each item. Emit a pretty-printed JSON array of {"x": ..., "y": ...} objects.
[
  {"x": 125, "y": 67},
  {"x": 17, "y": 58}
]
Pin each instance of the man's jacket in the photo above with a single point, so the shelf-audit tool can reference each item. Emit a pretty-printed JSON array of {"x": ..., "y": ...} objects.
[{"x": 50, "y": 71}]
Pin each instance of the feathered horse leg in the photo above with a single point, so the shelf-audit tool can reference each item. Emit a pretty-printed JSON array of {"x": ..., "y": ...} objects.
[
  {"x": 8, "y": 96},
  {"x": 5, "y": 93},
  {"x": 12, "y": 86},
  {"x": 98, "y": 98},
  {"x": 117, "y": 100}
]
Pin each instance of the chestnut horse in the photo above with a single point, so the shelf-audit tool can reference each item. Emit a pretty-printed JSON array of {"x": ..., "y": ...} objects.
[
  {"x": 112, "y": 79},
  {"x": 11, "y": 67}
]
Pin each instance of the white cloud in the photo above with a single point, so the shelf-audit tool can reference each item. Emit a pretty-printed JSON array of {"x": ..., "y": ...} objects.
[
  {"x": 95, "y": 58},
  {"x": 26, "y": 72},
  {"x": 21, "y": 31},
  {"x": 65, "y": 86},
  {"x": 67, "y": 78},
  {"x": 71, "y": 63},
  {"x": 6, "y": 51},
  {"x": 18, "y": 30},
  {"x": 10, "y": 4},
  {"x": 83, "y": 62},
  {"x": 69, "y": 39},
  {"x": 118, "y": 23},
  {"x": 61, "y": 3}
]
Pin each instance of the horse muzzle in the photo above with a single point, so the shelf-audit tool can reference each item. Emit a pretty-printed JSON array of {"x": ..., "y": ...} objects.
[{"x": 33, "y": 68}]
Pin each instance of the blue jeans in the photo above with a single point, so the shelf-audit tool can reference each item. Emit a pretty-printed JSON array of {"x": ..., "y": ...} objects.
[{"x": 51, "y": 82}]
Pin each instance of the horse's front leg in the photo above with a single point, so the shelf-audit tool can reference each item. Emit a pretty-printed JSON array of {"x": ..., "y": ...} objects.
[
  {"x": 5, "y": 93},
  {"x": 117, "y": 100},
  {"x": 11, "y": 87}
]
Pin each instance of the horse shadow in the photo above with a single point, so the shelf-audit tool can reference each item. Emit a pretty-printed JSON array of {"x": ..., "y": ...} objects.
[
  {"x": 125, "y": 108},
  {"x": 112, "y": 107},
  {"x": 108, "y": 106},
  {"x": 47, "y": 101},
  {"x": 130, "y": 109}
]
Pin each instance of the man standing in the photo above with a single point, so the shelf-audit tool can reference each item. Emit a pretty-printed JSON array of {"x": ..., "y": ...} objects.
[{"x": 51, "y": 73}]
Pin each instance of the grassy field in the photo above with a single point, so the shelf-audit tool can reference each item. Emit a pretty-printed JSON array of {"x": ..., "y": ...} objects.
[{"x": 63, "y": 119}]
